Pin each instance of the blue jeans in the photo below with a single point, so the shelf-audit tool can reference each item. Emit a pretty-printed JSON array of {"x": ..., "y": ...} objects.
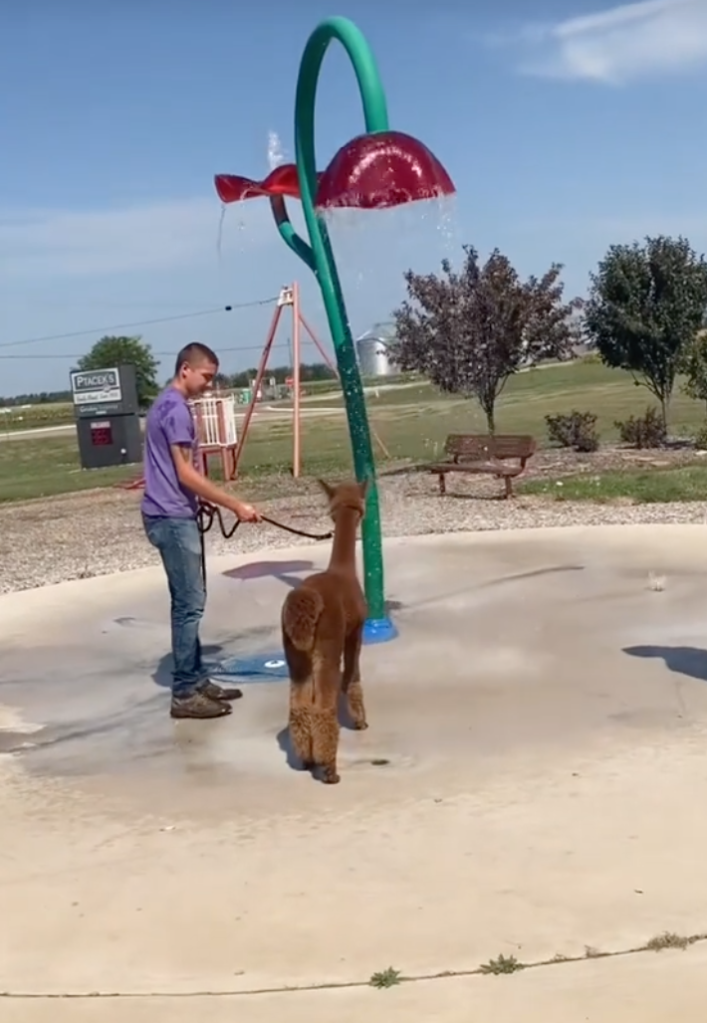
[{"x": 179, "y": 545}]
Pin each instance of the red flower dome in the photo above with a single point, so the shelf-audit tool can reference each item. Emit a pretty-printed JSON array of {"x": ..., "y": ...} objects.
[{"x": 382, "y": 169}]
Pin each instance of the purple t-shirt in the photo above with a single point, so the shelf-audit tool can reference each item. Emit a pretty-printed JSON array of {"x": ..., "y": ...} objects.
[{"x": 169, "y": 421}]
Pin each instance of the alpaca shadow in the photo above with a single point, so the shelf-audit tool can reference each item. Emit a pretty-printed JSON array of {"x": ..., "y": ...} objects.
[
  {"x": 284, "y": 741},
  {"x": 683, "y": 660},
  {"x": 284, "y": 571}
]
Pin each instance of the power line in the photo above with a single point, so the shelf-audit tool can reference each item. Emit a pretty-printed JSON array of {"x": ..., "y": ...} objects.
[
  {"x": 138, "y": 323},
  {"x": 80, "y": 355}
]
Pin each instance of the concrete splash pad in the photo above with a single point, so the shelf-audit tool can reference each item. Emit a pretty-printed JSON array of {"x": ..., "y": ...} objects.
[
  {"x": 527, "y": 786},
  {"x": 508, "y": 642}
]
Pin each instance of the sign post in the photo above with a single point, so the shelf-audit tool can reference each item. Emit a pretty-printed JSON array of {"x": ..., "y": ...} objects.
[{"x": 107, "y": 416}]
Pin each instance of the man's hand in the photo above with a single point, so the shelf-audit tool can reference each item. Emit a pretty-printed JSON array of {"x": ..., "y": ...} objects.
[
  {"x": 202, "y": 486},
  {"x": 245, "y": 512}
]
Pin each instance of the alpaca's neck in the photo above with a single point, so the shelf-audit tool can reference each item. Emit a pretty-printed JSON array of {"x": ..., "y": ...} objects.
[{"x": 343, "y": 551}]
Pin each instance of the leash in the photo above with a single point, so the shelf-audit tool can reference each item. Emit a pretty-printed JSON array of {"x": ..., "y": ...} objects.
[{"x": 208, "y": 514}]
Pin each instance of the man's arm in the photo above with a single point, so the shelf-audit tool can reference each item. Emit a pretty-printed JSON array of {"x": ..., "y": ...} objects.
[
  {"x": 193, "y": 480},
  {"x": 179, "y": 430}
]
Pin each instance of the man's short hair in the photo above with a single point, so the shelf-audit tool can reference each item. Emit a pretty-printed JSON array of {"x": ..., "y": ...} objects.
[{"x": 195, "y": 353}]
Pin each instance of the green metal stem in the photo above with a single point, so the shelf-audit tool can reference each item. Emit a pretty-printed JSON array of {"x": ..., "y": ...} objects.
[{"x": 318, "y": 255}]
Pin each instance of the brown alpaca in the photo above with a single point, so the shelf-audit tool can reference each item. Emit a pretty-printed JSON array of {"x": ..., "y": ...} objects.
[{"x": 322, "y": 625}]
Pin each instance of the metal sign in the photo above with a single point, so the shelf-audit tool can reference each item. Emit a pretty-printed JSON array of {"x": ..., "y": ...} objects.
[{"x": 96, "y": 387}]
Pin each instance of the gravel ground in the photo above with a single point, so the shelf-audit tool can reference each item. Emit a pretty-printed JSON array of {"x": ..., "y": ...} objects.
[{"x": 99, "y": 532}]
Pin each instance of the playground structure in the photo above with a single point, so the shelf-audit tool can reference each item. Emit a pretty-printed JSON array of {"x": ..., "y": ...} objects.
[
  {"x": 216, "y": 414},
  {"x": 287, "y": 299},
  {"x": 376, "y": 170}
]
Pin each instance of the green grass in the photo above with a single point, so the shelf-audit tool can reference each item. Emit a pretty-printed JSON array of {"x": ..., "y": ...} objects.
[
  {"x": 413, "y": 423},
  {"x": 654, "y": 486},
  {"x": 44, "y": 467}
]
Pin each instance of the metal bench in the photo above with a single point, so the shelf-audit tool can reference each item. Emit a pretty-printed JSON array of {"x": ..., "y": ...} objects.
[{"x": 484, "y": 454}]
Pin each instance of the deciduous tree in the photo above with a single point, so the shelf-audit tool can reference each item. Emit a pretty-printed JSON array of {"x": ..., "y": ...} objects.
[
  {"x": 113, "y": 351},
  {"x": 468, "y": 332},
  {"x": 646, "y": 305}
]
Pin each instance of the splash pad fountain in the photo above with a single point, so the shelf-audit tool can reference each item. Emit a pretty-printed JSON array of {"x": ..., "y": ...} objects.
[
  {"x": 376, "y": 170},
  {"x": 518, "y": 791}
]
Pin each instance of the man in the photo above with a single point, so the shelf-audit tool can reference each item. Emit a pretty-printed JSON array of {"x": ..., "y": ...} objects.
[{"x": 173, "y": 486}]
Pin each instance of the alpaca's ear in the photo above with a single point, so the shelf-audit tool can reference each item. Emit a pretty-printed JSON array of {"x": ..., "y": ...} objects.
[
  {"x": 363, "y": 488},
  {"x": 327, "y": 488}
]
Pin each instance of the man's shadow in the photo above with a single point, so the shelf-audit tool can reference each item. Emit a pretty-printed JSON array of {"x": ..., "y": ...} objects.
[
  {"x": 212, "y": 653},
  {"x": 283, "y": 571},
  {"x": 683, "y": 660},
  {"x": 162, "y": 675}
]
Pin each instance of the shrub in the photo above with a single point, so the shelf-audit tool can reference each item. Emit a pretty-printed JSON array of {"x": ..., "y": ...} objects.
[
  {"x": 576, "y": 430},
  {"x": 701, "y": 438},
  {"x": 646, "y": 431}
]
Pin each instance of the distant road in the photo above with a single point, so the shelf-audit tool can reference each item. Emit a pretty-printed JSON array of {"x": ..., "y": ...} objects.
[
  {"x": 37, "y": 431},
  {"x": 262, "y": 412}
]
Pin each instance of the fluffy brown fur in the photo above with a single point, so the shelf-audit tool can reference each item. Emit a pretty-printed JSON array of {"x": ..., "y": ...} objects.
[{"x": 322, "y": 626}]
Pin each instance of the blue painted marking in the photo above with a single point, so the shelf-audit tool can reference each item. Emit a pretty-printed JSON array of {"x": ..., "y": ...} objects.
[
  {"x": 272, "y": 667},
  {"x": 379, "y": 630},
  {"x": 268, "y": 667}
]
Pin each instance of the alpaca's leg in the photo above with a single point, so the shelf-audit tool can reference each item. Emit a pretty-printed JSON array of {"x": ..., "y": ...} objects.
[
  {"x": 351, "y": 683},
  {"x": 325, "y": 743},
  {"x": 300, "y": 716},
  {"x": 325, "y": 722},
  {"x": 300, "y": 725}
]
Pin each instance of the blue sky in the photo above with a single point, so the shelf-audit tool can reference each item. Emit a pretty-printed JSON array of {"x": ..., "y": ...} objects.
[{"x": 565, "y": 126}]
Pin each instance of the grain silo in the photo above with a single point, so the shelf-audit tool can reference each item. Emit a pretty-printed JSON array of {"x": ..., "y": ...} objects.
[{"x": 372, "y": 352}]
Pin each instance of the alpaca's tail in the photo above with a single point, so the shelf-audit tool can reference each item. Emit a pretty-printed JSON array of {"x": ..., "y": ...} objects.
[{"x": 300, "y": 615}]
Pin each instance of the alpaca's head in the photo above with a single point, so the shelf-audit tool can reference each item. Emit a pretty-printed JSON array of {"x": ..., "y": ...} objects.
[{"x": 350, "y": 496}]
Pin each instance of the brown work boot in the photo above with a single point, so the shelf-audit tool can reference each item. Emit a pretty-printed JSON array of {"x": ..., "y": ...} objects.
[
  {"x": 198, "y": 705},
  {"x": 220, "y": 693}
]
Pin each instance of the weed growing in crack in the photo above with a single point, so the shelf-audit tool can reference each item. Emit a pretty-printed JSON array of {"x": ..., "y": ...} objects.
[
  {"x": 503, "y": 964},
  {"x": 386, "y": 978},
  {"x": 669, "y": 940}
]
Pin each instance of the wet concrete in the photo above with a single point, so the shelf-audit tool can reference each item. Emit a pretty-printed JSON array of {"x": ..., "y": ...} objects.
[{"x": 507, "y": 642}]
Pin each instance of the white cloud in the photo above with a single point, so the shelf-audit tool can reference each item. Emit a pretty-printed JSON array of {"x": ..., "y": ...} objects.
[
  {"x": 620, "y": 44},
  {"x": 71, "y": 243}
]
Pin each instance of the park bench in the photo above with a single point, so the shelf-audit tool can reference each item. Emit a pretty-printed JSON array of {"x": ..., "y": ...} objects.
[{"x": 484, "y": 454}]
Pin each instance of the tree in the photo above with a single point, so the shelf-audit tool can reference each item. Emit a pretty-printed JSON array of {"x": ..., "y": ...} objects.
[
  {"x": 468, "y": 332},
  {"x": 646, "y": 305},
  {"x": 694, "y": 365},
  {"x": 126, "y": 351}
]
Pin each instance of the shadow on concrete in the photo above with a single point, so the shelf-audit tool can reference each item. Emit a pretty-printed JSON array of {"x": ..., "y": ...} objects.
[
  {"x": 284, "y": 743},
  {"x": 683, "y": 660},
  {"x": 242, "y": 643},
  {"x": 284, "y": 571},
  {"x": 162, "y": 675}
]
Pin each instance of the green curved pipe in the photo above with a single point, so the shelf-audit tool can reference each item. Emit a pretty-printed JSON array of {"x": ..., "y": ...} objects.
[{"x": 319, "y": 257}]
